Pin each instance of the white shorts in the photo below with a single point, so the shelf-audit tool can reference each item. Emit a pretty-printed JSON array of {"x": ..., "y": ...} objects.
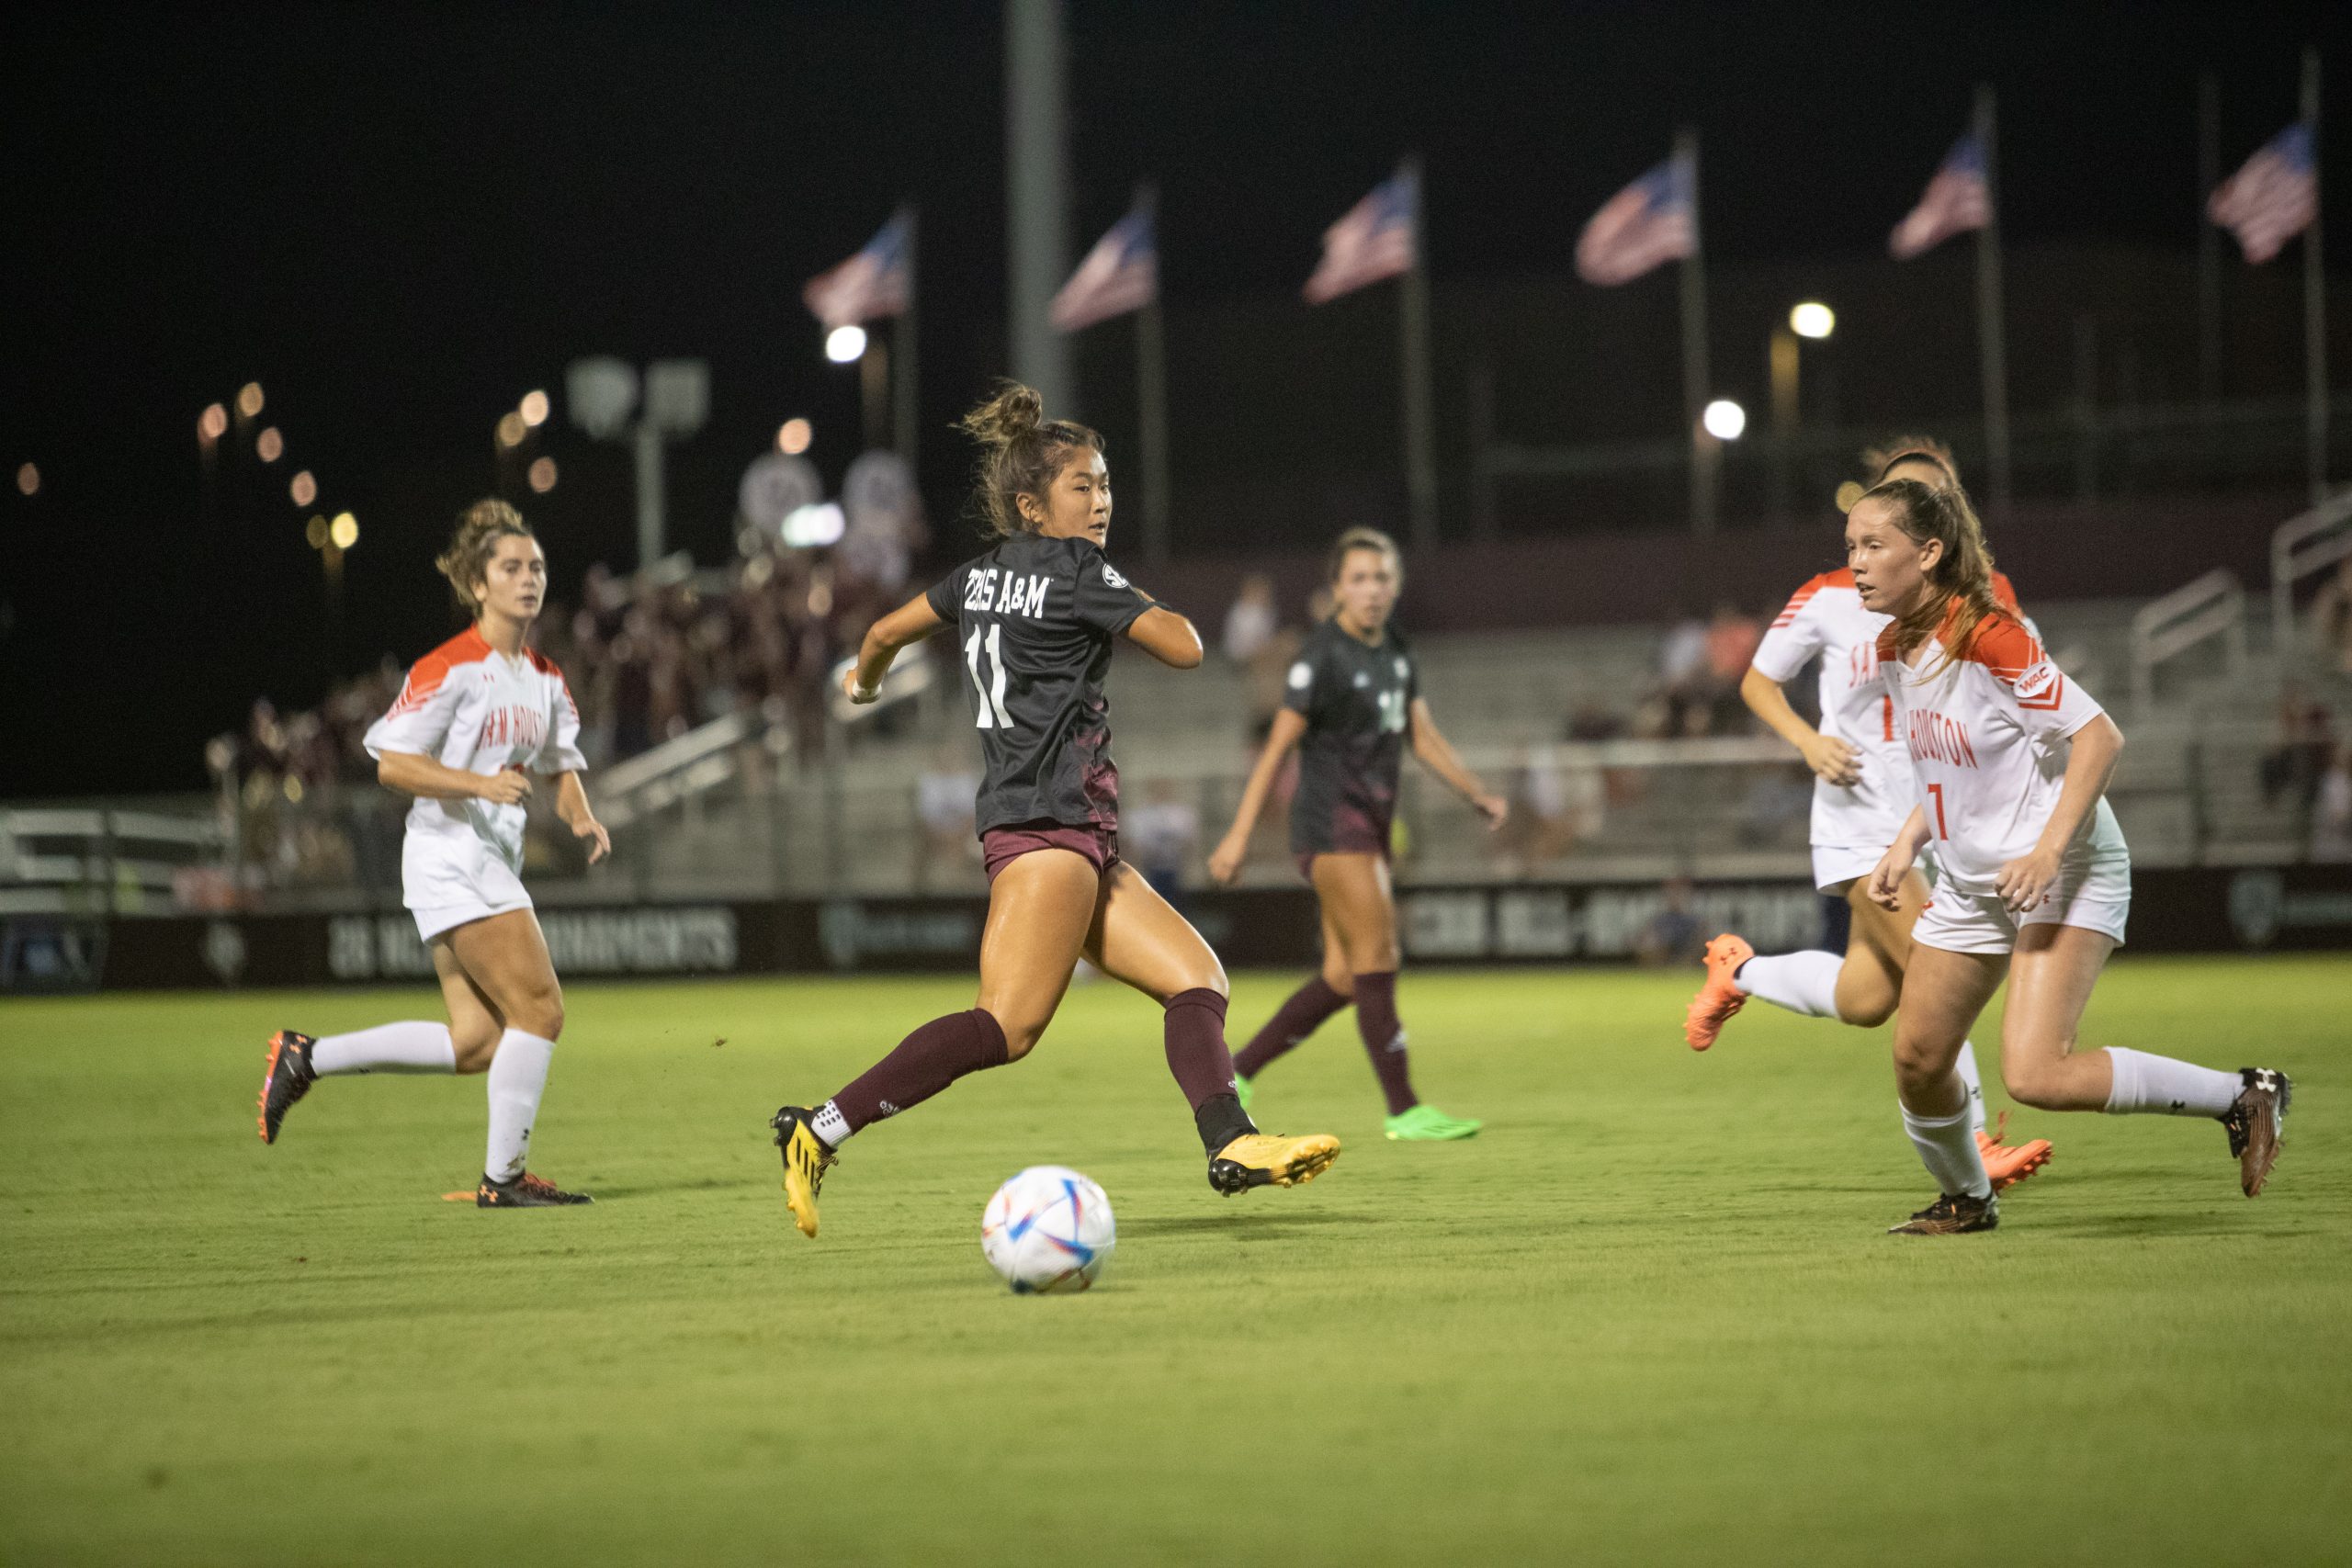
[
  {"x": 2096, "y": 896},
  {"x": 1834, "y": 865},
  {"x": 448, "y": 882}
]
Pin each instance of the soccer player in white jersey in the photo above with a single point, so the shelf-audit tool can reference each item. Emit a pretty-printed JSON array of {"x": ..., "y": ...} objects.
[
  {"x": 2010, "y": 760},
  {"x": 478, "y": 716},
  {"x": 1861, "y": 792}
]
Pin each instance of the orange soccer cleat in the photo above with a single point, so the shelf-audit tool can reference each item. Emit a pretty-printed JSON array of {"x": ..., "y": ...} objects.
[
  {"x": 2008, "y": 1164},
  {"x": 1720, "y": 997}
]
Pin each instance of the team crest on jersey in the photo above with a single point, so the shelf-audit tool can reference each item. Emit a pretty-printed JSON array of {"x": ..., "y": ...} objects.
[
  {"x": 1362, "y": 680},
  {"x": 2040, "y": 686},
  {"x": 1300, "y": 676},
  {"x": 1111, "y": 575},
  {"x": 1401, "y": 671}
]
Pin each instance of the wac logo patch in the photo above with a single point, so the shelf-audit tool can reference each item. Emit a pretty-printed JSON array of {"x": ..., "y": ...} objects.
[{"x": 2040, "y": 686}]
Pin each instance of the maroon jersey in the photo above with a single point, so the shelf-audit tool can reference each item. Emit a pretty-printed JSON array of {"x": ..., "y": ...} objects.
[
  {"x": 1357, "y": 699},
  {"x": 1034, "y": 619}
]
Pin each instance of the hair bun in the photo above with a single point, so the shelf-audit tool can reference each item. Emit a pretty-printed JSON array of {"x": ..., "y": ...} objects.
[{"x": 1014, "y": 412}]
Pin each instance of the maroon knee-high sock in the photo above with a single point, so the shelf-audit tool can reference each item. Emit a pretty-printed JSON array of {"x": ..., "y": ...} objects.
[
  {"x": 1204, "y": 1068},
  {"x": 922, "y": 1064},
  {"x": 1295, "y": 1019},
  {"x": 1384, "y": 1039}
]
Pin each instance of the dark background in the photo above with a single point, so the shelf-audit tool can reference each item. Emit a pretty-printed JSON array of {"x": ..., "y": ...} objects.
[{"x": 400, "y": 219}]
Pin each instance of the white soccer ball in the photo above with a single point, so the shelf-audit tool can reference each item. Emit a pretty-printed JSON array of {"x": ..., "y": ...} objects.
[{"x": 1048, "y": 1229}]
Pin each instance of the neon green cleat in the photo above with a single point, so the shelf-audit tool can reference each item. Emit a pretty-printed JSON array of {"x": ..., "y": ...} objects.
[
  {"x": 1241, "y": 1091},
  {"x": 1427, "y": 1123}
]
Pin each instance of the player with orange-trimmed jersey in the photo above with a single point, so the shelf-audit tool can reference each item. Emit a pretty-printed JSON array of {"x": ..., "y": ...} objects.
[
  {"x": 1862, "y": 793},
  {"x": 2010, "y": 760},
  {"x": 477, "y": 717}
]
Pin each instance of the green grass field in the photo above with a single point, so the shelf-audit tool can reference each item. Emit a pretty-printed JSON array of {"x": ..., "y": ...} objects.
[{"x": 1649, "y": 1316}]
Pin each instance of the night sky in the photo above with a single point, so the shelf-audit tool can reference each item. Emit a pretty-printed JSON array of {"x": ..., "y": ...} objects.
[{"x": 400, "y": 219}]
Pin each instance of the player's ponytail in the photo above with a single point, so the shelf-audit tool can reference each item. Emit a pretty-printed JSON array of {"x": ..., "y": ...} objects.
[
  {"x": 1960, "y": 583},
  {"x": 467, "y": 560},
  {"x": 1022, "y": 452},
  {"x": 1882, "y": 459}
]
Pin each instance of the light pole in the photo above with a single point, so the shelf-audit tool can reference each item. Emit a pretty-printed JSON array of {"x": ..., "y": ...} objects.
[
  {"x": 1810, "y": 319},
  {"x": 603, "y": 393}
]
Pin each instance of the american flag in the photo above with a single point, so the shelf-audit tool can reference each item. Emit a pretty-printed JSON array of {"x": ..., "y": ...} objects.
[
  {"x": 872, "y": 283},
  {"x": 1119, "y": 274},
  {"x": 1652, "y": 221},
  {"x": 2274, "y": 197},
  {"x": 1372, "y": 242},
  {"x": 1956, "y": 201}
]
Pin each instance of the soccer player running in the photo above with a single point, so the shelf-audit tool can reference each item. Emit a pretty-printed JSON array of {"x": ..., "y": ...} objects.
[
  {"x": 1861, "y": 792},
  {"x": 2010, "y": 760},
  {"x": 1352, "y": 699},
  {"x": 477, "y": 717},
  {"x": 1036, "y": 620}
]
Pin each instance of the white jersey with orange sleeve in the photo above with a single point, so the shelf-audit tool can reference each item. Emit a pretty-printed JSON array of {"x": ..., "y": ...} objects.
[
  {"x": 1852, "y": 824},
  {"x": 1986, "y": 733},
  {"x": 470, "y": 707}
]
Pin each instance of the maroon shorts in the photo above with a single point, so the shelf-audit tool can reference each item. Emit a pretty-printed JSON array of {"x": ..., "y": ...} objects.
[{"x": 999, "y": 846}]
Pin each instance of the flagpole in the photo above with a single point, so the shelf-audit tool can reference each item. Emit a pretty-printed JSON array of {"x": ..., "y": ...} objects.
[
  {"x": 1705, "y": 450},
  {"x": 1151, "y": 398},
  {"x": 2209, "y": 241},
  {"x": 1991, "y": 348},
  {"x": 903, "y": 384},
  {"x": 2315, "y": 303},
  {"x": 1420, "y": 436}
]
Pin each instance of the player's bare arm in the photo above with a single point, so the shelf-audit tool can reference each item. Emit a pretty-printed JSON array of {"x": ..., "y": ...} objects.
[
  {"x": 1437, "y": 754},
  {"x": 1224, "y": 863},
  {"x": 1894, "y": 866},
  {"x": 1830, "y": 758},
  {"x": 1166, "y": 636},
  {"x": 902, "y": 628},
  {"x": 572, "y": 805},
  {"x": 2091, "y": 755},
  {"x": 411, "y": 773}
]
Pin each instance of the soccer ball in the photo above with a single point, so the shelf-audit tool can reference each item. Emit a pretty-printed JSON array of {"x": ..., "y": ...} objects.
[{"x": 1048, "y": 1229}]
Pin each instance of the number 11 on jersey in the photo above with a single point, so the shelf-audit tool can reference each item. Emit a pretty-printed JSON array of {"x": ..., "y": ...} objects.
[{"x": 990, "y": 686}]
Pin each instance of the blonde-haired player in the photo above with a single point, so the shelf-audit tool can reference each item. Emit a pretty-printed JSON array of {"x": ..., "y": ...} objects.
[
  {"x": 2010, "y": 761},
  {"x": 1861, "y": 792},
  {"x": 477, "y": 717}
]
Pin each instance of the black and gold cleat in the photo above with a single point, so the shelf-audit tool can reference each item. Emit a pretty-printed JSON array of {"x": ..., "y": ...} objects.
[
  {"x": 286, "y": 1078},
  {"x": 1271, "y": 1159},
  {"x": 525, "y": 1191},
  {"x": 1952, "y": 1214},
  {"x": 806, "y": 1157},
  {"x": 2256, "y": 1123}
]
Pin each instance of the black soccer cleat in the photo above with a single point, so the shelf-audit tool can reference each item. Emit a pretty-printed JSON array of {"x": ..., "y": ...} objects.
[
  {"x": 286, "y": 1078},
  {"x": 2256, "y": 1122},
  {"x": 525, "y": 1191},
  {"x": 1952, "y": 1214}
]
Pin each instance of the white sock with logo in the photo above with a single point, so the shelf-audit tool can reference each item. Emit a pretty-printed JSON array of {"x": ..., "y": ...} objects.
[
  {"x": 1802, "y": 982},
  {"x": 2169, "y": 1087},
  {"x": 1947, "y": 1146},
  {"x": 518, "y": 1076},
  {"x": 1966, "y": 1067},
  {"x": 830, "y": 1124},
  {"x": 412, "y": 1047}
]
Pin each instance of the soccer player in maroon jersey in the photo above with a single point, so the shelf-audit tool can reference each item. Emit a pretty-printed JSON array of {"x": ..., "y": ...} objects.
[
  {"x": 1034, "y": 621},
  {"x": 1352, "y": 700},
  {"x": 474, "y": 715}
]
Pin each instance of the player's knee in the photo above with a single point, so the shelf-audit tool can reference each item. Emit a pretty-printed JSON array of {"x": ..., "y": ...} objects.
[
  {"x": 1020, "y": 1038},
  {"x": 1339, "y": 977},
  {"x": 540, "y": 1013},
  {"x": 474, "y": 1049},
  {"x": 2036, "y": 1084}
]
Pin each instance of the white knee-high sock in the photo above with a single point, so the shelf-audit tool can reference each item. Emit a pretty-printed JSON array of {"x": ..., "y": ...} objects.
[
  {"x": 1800, "y": 982},
  {"x": 2161, "y": 1084},
  {"x": 1966, "y": 1068},
  {"x": 410, "y": 1047},
  {"x": 518, "y": 1076},
  {"x": 1947, "y": 1146}
]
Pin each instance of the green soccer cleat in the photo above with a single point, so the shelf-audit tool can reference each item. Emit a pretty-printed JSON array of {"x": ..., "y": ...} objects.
[
  {"x": 1427, "y": 1123},
  {"x": 1241, "y": 1091}
]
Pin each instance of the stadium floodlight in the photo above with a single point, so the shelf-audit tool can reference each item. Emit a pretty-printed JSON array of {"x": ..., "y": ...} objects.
[
  {"x": 1813, "y": 318},
  {"x": 533, "y": 408},
  {"x": 603, "y": 394},
  {"x": 793, "y": 436},
  {"x": 1725, "y": 420},
  {"x": 844, "y": 345}
]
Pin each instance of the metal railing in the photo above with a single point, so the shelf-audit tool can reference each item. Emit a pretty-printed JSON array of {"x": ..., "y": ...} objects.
[
  {"x": 100, "y": 858},
  {"x": 2303, "y": 544},
  {"x": 2212, "y": 606}
]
